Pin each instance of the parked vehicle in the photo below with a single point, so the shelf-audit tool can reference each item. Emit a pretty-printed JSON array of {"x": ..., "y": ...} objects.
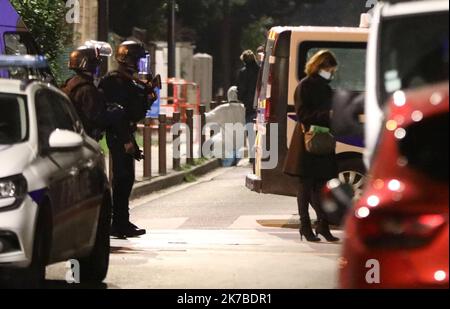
[
  {"x": 55, "y": 197},
  {"x": 407, "y": 49},
  {"x": 15, "y": 39},
  {"x": 14, "y": 35},
  {"x": 287, "y": 51},
  {"x": 402, "y": 220}
]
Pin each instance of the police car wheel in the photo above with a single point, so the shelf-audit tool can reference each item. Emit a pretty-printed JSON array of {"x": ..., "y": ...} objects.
[{"x": 94, "y": 268}]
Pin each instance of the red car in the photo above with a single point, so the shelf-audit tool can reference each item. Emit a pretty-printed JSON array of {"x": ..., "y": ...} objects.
[{"x": 397, "y": 236}]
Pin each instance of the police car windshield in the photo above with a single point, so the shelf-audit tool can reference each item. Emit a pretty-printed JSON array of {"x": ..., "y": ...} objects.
[
  {"x": 13, "y": 119},
  {"x": 414, "y": 52}
]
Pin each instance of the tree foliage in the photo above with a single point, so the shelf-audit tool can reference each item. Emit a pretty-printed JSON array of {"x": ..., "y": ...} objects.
[{"x": 223, "y": 28}]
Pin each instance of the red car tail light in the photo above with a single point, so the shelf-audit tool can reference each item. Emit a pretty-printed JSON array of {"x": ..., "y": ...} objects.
[{"x": 399, "y": 231}]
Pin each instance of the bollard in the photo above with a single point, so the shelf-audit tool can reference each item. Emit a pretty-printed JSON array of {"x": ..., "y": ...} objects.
[
  {"x": 162, "y": 142},
  {"x": 202, "y": 127},
  {"x": 176, "y": 135},
  {"x": 213, "y": 105},
  {"x": 190, "y": 139},
  {"x": 147, "y": 149}
]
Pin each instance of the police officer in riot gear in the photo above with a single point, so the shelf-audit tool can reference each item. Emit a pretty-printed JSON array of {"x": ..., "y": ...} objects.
[
  {"x": 124, "y": 90},
  {"x": 81, "y": 90},
  {"x": 89, "y": 102}
]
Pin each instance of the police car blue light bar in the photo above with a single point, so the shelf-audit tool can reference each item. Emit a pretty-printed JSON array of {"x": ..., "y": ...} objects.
[{"x": 24, "y": 61}]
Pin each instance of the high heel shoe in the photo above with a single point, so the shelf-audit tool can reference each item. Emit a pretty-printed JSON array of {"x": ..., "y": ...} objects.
[
  {"x": 324, "y": 229},
  {"x": 309, "y": 238},
  {"x": 307, "y": 232}
]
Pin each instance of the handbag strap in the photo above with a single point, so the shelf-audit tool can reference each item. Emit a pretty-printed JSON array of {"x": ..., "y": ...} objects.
[{"x": 303, "y": 128}]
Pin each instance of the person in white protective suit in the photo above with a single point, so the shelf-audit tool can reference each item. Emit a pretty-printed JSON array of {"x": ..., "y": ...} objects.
[{"x": 228, "y": 123}]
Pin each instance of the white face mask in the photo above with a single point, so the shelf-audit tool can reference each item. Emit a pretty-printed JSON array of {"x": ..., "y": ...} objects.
[{"x": 326, "y": 75}]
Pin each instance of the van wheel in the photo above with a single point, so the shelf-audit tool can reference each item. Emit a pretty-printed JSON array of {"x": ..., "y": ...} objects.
[
  {"x": 94, "y": 268},
  {"x": 351, "y": 170}
]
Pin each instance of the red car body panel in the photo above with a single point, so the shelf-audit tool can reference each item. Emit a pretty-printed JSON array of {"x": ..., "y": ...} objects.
[{"x": 397, "y": 195}]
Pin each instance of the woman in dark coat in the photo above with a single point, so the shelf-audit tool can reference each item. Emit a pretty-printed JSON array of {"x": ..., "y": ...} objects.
[{"x": 313, "y": 102}]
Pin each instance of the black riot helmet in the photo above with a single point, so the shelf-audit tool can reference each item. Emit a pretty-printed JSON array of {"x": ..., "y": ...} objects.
[
  {"x": 130, "y": 54},
  {"x": 84, "y": 59}
]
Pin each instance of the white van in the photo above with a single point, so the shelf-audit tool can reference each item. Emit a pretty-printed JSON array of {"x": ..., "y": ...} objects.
[{"x": 287, "y": 51}]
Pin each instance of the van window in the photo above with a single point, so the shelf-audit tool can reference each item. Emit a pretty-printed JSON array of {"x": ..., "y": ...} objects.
[
  {"x": 19, "y": 43},
  {"x": 351, "y": 58}
]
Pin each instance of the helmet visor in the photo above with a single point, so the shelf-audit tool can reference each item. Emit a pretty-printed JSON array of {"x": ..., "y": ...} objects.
[
  {"x": 144, "y": 65},
  {"x": 103, "y": 49}
]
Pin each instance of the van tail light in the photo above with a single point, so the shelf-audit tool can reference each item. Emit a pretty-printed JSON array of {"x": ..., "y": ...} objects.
[
  {"x": 399, "y": 231},
  {"x": 267, "y": 110},
  {"x": 267, "y": 113}
]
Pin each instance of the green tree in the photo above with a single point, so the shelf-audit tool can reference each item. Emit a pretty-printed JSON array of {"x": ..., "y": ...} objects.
[
  {"x": 255, "y": 34},
  {"x": 223, "y": 28},
  {"x": 46, "y": 21}
]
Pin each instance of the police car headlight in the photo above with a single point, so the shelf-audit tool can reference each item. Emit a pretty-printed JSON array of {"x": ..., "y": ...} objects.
[{"x": 12, "y": 191}]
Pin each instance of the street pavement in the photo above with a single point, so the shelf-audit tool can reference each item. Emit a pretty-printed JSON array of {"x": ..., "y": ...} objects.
[{"x": 215, "y": 233}]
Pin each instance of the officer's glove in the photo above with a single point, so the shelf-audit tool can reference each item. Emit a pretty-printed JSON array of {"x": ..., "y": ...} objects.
[{"x": 139, "y": 155}]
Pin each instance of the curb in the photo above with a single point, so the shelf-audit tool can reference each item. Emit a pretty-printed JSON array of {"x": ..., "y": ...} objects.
[{"x": 144, "y": 188}]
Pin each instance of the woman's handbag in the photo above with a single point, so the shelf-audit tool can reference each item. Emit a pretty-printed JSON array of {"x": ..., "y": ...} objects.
[{"x": 319, "y": 141}]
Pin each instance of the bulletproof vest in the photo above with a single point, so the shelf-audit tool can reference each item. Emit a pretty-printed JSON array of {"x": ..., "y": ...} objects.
[
  {"x": 87, "y": 103},
  {"x": 73, "y": 84},
  {"x": 131, "y": 96}
]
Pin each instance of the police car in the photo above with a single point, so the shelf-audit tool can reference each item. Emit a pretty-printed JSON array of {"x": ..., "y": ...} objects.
[{"x": 55, "y": 199}]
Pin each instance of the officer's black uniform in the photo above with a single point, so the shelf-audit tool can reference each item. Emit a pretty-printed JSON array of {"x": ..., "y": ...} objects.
[
  {"x": 91, "y": 107},
  {"x": 125, "y": 93},
  {"x": 88, "y": 102}
]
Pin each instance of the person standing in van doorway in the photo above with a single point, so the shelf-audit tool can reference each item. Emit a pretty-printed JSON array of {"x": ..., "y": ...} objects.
[
  {"x": 260, "y": 54},
  {"x": 313, "y": 103},
  {"x": 246, "y": 85}
]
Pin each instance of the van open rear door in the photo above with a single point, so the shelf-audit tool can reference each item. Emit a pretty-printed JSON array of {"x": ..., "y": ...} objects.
[{"x": 286, "y": 54}]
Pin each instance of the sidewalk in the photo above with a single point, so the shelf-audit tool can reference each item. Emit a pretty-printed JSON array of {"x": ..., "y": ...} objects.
[{"x": 144, "y": 186}]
